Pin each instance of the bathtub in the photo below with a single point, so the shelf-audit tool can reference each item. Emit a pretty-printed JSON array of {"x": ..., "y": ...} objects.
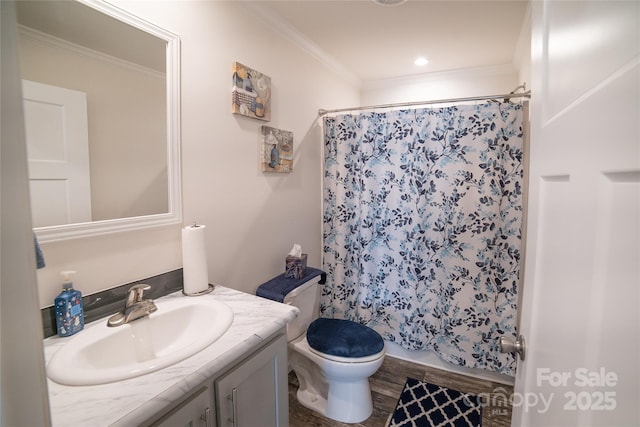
[{"x": 431, "y": 359}]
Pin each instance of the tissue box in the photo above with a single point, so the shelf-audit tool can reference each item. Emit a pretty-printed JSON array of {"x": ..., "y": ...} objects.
[{"x": 295, "y": 266}]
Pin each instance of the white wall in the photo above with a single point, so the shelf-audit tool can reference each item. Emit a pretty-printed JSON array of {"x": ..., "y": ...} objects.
[
  {"x": 522, "y": 55},
  {"x": 253, "y": 218}
]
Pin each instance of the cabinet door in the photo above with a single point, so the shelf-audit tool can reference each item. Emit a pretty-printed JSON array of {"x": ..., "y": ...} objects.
[
  {"x": 194, "y": 412},
  {"x": 254, "y": 394}
]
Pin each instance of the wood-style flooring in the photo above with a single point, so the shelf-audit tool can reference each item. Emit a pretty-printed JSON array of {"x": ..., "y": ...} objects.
[{"x": 387, "y": 384}]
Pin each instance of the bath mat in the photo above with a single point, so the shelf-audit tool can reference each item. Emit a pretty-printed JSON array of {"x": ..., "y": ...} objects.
[{"x": 427, "y": 405}]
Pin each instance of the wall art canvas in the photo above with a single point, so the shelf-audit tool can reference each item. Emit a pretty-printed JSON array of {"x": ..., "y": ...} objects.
[
  {"x": 277, "y": 150},
  {"x": 251, "y": 93}
]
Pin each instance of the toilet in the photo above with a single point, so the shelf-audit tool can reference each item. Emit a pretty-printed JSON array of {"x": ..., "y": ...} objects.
[{"x": 332, "y": 358}]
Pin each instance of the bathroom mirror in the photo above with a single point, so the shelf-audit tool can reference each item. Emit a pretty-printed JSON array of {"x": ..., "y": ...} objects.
[{"x": 102, "y": 96}]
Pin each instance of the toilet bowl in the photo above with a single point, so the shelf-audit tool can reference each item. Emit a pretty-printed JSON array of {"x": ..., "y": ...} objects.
[
  {"x": 332, "y": 358},
  {"x": 338, "y": 389}
]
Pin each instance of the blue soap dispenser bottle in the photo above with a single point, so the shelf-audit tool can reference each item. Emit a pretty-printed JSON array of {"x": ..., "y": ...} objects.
[{"x": 68, "y": 307}]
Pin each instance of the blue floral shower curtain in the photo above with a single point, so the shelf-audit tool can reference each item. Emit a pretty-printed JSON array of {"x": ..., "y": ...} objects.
[{"x": 422, "y": 227}]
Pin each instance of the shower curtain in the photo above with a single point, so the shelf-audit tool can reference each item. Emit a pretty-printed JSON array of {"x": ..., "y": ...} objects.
[{"x": 422, "y": 227}]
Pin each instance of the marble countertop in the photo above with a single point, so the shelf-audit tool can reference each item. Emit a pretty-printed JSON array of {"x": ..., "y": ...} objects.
[{"x": 132, "y": 402}]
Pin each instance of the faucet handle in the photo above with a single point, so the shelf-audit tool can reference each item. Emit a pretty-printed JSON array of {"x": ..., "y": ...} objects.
[{"x": 135, "y": 293}]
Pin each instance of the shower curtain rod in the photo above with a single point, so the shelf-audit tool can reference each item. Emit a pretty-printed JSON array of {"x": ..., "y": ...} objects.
[{"x": 526, "y": 94}]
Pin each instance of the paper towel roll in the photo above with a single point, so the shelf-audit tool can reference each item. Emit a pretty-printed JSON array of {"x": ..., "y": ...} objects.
[{"x": 194, "y": 259}]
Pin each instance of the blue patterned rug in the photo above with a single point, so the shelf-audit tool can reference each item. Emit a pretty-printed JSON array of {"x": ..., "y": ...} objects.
[{"x": 426, "y": 405}]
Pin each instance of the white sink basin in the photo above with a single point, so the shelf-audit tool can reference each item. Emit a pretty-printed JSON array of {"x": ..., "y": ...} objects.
[{"x": 101, "y": 354}]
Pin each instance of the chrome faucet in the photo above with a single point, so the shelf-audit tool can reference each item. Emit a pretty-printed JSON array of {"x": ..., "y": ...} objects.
[{"x": 135, "y": 307}]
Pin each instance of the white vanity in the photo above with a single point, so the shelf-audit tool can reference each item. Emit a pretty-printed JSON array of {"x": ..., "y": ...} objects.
[{"x": 239, "y": 380}]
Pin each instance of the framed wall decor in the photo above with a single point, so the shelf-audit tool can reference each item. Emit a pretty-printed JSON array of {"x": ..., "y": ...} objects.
[
  {"x": 277, "y": 150},
  {"x": 251, "y": 93}
]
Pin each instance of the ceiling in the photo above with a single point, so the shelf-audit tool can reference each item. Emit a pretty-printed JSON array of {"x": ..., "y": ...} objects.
[{"x": 373, "y": 41}]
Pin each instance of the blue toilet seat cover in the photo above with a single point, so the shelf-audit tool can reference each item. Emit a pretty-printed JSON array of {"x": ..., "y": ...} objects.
[{"x": 343, "y": 338}]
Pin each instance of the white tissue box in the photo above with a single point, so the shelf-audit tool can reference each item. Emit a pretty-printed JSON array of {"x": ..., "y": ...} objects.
[{"x": 295, "y": 266}]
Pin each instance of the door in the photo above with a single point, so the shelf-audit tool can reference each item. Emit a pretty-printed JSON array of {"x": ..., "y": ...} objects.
[
  {"x": 582, "y": 264},
  {"x": 58, "y": 154}
]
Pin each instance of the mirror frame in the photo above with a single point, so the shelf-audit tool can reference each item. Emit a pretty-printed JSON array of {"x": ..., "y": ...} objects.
[{"x": 174, "y": 214}]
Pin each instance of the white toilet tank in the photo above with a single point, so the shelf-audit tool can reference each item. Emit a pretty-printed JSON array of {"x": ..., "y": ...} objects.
[{"x": 306, "y": 298}]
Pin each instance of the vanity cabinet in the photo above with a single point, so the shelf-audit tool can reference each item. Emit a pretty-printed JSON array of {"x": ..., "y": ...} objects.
[
  {"x": 252, "y": 393},
  {"x": 255, "y": 393}
]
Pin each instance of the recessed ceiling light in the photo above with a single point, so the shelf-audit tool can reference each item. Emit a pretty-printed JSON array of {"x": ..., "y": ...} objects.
[
  {"x": 389, "y": 2},
  {"x": 421, "y": 61}
]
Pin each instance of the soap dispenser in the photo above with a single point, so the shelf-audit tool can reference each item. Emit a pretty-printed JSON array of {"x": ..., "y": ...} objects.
[{"x": 68, "y": 306}]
